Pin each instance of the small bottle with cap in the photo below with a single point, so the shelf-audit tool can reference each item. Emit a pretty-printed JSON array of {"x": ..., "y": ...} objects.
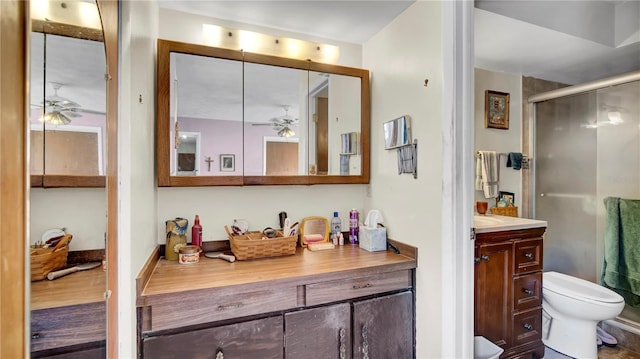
[{"x": 336, "y": 228}]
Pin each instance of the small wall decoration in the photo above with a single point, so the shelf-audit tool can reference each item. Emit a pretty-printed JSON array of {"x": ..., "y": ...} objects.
[
  {"x": 496, "y": 110},
  {"x": 508, "y": 198},
  {"x": 227, "y": 163}
]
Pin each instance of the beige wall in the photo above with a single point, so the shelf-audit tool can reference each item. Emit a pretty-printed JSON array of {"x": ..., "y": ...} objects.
[
  {"x": 401, "y": 57},
  {"x": 137, "y": 190},
  {"x": 503, "y": 141}
]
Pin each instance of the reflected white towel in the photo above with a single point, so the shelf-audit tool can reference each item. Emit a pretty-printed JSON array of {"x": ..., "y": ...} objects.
[{"x": 489, "y": 173}]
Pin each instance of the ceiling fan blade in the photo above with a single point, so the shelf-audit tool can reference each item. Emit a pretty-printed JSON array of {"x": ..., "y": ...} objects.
[
  {"x": 56, "y": 100},
  {"x": 71, "y": 114}
]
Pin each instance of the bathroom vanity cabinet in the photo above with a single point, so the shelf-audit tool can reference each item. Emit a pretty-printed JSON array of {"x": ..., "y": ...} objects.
[
  {"x": 508, "y": 289},
  {"x": 339, "y": 303},
  {"x": 68, "y": 316}
]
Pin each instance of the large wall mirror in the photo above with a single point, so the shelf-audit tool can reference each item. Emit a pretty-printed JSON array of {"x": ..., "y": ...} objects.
[
  {"x": 68, "y": 141},
  {"x": 226, "y": 117},
  {"x": 67, "y": 98}
]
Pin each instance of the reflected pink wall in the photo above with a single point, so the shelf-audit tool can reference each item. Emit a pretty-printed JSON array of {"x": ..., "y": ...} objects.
[{"x": 225, "y": 137}]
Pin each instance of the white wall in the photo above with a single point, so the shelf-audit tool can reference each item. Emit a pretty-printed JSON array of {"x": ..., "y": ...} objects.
[
  {"x": 401, "y": 57},
  {"x": 180, "y": 26},
  {"x": 136, "y": 148},
  {"x": 82, "y": 211},
  {"x": 503, "y": 141}
]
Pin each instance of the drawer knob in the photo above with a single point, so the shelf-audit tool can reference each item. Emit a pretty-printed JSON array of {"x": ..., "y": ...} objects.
[
  {"x": 484, "y": 258},
  {"x": 224, "y": 307},
  {"x": 35, "y": 336},
  {"x": 528, "y": 326},
  {"x": 528, "y": 255},
  {"x": 527, "y": 291}
]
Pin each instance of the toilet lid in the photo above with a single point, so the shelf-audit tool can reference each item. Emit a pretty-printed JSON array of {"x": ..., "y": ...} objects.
[{"x": 578, "y": 288}]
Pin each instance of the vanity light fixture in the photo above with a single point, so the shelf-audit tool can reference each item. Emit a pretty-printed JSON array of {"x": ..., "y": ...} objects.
[{"x": 255, "y": 42}]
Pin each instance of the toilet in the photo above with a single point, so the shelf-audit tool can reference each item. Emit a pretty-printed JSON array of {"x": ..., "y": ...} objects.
[
  {"x": 572, "y": 307},
  {"x": 484, "y": 349}
]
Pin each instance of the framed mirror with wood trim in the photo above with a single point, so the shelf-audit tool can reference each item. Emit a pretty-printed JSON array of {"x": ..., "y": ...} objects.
[
  {"x": 285, "y": 121},
  {"x": 68, "y": 139},
  {"x": 67, "y": 97}
]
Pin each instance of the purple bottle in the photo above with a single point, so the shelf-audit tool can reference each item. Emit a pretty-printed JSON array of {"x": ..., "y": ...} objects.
[{"x": 353, "y": 226}]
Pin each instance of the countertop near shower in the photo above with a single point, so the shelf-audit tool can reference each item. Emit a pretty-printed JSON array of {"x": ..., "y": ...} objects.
[{"x": 494, "y": 223}]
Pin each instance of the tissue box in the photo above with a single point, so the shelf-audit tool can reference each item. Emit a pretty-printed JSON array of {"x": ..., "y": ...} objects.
[{"x": 373, "y": 239}]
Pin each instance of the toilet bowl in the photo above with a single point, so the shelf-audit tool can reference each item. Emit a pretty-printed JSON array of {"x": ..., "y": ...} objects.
[{"x": 572, "y": 308}]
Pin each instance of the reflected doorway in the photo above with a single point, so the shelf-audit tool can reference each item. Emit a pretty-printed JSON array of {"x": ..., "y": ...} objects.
[
  {"x": 188, "y": 154},
  {"x": 280, "y": 156}
]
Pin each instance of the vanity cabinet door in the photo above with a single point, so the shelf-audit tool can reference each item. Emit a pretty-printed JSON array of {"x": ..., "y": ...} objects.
[
  {"x": 323, "y": 332},
  {"x": 260, "y": 338},
  {"x": 383, "y": 327},
  {"x": 493, "y": 291}
]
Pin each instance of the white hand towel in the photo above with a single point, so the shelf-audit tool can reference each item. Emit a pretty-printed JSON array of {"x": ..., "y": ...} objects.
[{"x": 489, "y": 169}]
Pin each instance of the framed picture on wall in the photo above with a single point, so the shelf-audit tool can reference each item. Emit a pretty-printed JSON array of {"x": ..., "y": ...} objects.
[
  {"x": 227, "y": 163},
  {"x": 508, "y": 198},
  {"x": 496, "y": 110}
]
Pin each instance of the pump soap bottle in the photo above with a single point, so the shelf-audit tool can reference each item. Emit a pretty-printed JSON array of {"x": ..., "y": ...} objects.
[{"x": 196, "y": 234}]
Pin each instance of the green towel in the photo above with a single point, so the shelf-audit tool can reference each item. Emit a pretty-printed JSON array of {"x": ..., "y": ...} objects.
[{"x": 621, "y": 266}]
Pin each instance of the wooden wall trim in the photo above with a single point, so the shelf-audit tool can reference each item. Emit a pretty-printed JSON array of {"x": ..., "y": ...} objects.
[
  {"x": 13, "y": 177},
  {"x": 109, "y": 16}
]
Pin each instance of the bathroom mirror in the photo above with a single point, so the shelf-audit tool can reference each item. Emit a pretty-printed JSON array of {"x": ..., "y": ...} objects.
[
  {"x": 397, "y": 132},
  {"x": 258, "y": 108},
  {"x": 67, "y": 104},
  {"x": 68, "y": 129}
]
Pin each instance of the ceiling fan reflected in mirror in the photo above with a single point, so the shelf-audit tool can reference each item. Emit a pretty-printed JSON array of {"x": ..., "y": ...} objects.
[
  {"x": 282, "y": 124},
  {"x": 60, "y": 110}
]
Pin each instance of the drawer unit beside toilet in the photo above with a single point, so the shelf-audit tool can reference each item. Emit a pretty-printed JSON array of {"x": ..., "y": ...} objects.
[{"x": 508, "y": 290}]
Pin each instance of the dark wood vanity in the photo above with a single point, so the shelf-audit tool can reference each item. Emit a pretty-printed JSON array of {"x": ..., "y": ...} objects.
[
  {"x": 508, "y": 289},
  {"x": 342, "y": 303}
]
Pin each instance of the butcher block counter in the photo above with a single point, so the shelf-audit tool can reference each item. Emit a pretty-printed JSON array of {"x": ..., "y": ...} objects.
[
  {"x": 68, "y": 312},
  {"x": 183, "y": 300}
]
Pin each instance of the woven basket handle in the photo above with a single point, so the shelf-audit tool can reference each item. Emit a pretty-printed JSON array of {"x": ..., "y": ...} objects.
[{"x": 63, "y": 242}]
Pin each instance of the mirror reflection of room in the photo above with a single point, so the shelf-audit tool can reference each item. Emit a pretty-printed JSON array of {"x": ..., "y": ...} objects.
[
  {"x": 67, "y": 120},
  {"x": 274, "y": 118}
]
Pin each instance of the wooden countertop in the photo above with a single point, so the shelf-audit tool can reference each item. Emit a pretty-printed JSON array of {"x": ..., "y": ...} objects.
[
  {"x": 82, "y": 287},
  {"x": 161, "y": 277}
]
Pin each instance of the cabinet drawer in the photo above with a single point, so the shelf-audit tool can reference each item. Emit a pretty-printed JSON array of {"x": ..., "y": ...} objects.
[
  {"x": 528, "y": 256},
  {"x": 67, "y": 326},
  {"x": 252, "y": 339},
  {"x": 527, "y": 291},
  {"x": 338, "y": 290},
  {"x": 200, "y": 309},
  {"x": 527, "y": 327}
]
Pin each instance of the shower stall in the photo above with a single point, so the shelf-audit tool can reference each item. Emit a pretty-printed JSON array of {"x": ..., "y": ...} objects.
[{"x": 586, "y": 145}]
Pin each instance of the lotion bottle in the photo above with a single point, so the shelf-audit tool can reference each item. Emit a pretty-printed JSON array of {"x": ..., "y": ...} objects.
[{"x": 196, "y": 234}]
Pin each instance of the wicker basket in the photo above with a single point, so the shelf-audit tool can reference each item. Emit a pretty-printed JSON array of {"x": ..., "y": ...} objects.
[
  {"x": 511, "y": 211},
  {"x": 253, "y": 246},
  {"x": 45, "y": 260}
]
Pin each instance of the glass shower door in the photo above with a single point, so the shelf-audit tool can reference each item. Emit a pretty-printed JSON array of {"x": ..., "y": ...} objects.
[{"x": 565, "y": 183}]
